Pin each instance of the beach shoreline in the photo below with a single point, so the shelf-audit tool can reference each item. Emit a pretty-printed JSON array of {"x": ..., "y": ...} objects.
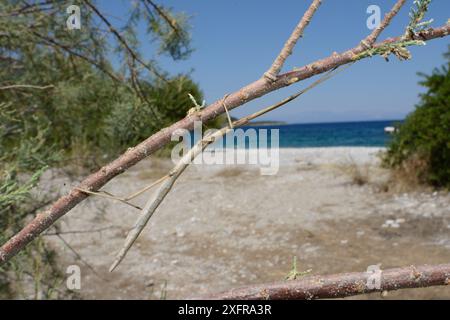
[{"x": 223, "y": 227}]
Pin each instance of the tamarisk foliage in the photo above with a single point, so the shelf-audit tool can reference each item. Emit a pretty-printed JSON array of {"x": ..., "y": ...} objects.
[
  {"x": 421, "y": 145},
  {"x": 62, "y": 101}
]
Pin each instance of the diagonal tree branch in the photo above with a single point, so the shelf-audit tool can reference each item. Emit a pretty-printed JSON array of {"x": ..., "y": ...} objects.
[
  {"x": 340, "y": 285},
  {"x": 275, "y": 69},
  {"x": 250, "y": 92}
]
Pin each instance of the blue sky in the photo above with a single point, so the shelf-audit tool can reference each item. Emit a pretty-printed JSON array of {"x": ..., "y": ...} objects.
[{"x": 235, "y": 42}]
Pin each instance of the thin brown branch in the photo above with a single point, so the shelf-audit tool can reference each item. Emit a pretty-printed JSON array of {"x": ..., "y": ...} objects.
[
  {"x": 125, "y": 200},
  {"x": 170, "y": 21},
  {"x": 250, "y": 92},
  {"x": 370, "y": 40},
  {"x": 341, "y": 285},
  {"x": 275, "y": 69},
  {"x": 26, "y": 86},
  {"x": 107, "y": 195},
  {"x": 79, "y": 231}
]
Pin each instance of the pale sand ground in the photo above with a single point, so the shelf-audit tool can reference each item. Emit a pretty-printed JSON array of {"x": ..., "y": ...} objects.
[{"x": 224, "y": 227}]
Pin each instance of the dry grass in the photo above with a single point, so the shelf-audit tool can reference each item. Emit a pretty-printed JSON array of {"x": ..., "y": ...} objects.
[
  {"x": 406, "y": 178},
  {"x": 230, "y": 172},
  {"x": 358, "y": 173}
]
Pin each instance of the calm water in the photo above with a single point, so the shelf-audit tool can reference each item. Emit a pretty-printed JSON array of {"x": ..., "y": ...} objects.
[{"x": 362, "y": 134}]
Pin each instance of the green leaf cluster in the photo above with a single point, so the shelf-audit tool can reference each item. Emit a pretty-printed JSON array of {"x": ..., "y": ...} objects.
[{"x": 424, "y": 137}]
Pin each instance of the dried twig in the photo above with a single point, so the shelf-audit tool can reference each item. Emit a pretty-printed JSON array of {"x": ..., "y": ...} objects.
[
  {"x": 340, "y": 285},
  {"x": 275, "y": 69},
  {"x": 26, "y": 86},
  {"x": 57, "y": 232},
  {"x": 107, "y": 195}
]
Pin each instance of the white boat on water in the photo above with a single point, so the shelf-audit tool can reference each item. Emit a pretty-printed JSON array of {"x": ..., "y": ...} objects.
[{"x": 390, "y": 130}]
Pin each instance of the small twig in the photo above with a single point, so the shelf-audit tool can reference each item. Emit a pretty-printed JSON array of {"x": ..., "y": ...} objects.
[
  {"x": 138, "y": 193},
  {"x": 26, "y": 86},
  {"x": 108, "y": 195},
  {"x": 171, "y": 22},
  {"x": 275, "y": 69},
  {"x": 226, "y": 111},
  {"x": 56, "y": 233},
  {"x": 294, "y": 274}
]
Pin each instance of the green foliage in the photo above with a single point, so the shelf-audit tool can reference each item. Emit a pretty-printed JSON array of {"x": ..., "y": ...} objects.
[
  {"x": 36, "y": 264},
  {"x": 398, "y": 49},
  {"x": 64, "y": 100},
  {"x": 423, "y": 140},
  {"x": 129, "y": 123},
  {"x": 416, "y": 16}
]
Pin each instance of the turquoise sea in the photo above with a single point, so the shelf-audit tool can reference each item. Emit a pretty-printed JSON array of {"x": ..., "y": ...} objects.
[{"x": 348, "y": 134}]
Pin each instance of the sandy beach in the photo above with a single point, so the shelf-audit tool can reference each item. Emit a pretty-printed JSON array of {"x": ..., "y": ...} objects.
[{"x": 228, "y": 226}]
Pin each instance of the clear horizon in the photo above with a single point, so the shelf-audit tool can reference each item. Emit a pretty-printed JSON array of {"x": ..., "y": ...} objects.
[{"x": 327, "y": 122}]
